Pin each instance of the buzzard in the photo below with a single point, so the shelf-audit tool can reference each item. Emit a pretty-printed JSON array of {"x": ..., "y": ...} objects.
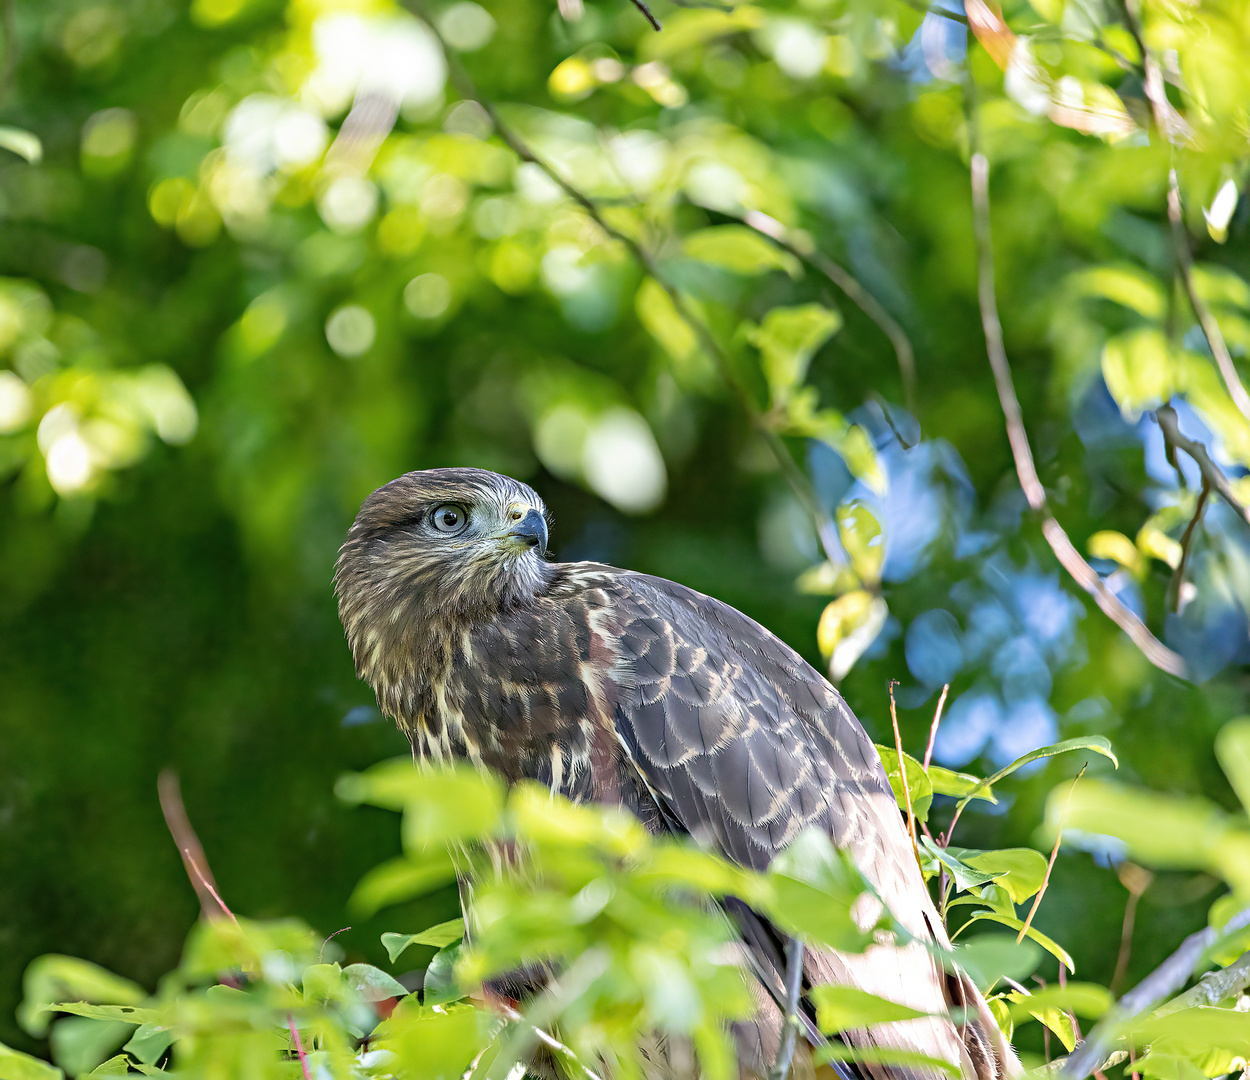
[{"x": 615, "y": 686}]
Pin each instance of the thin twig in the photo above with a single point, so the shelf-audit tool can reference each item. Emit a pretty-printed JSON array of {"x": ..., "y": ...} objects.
[
  {"x": 902, "y": 772},
  {"x": 798, "y": 482},
  {"x": 937, "y": 719},
  {"x": 299, "y": 1047},
  {"x": 646, "y": 11},
  {"x": 1212, "y": 474},
  {"x": 1165, "y": 980},
  {"x": 1187, "y": 540},
  {"x": 855, "y": 292},
  {"x": 193, "y": 858},
  {"x": 794, "y": 989},
  {"x": 1210, "y": 327},
  {"x": 1170, "y": 123},
  {"x": 1050, "y": 865},
  {"x": 1081, "y": 572},
  {"x": 1136, "y": 880}
]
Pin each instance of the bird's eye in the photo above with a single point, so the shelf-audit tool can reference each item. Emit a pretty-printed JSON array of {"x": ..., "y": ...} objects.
[{"x": 449, "y": 519}]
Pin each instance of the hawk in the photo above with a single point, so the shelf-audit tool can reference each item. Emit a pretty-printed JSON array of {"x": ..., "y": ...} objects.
[{"x": 614, "y": 686}]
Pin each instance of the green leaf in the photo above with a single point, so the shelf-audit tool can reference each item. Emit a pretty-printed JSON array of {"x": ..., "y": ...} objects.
[
  {"x": 14, "y": 1065},
  {"x": 1125, "y": 285},
  {"x": 885, "y": 1055},
  {"x": 1159, "y": 830},
  {"x": 1018, "y": 870},
  {"x": 446, "y": 933},
  {"x": 126, "y": 1013},
  {"x": 400, "y": 879},
  {"x": 23, "y": 143},
  {"x": 1096, "y": 743},
  {"x": 739, "y": 249},
  {"x": 53, "y": 978},
  {"x": 814, "y": 887},
  {"x": 988, "y": 958},
  {"x": 373, "y": 984},
  {"x": 1232, "y": 748},
  {"x": 1139, "y": 370},
  {"x": 843, "y": 1008},
  {"x": 456, "y": 803},
  {"x": 117, "y": 1065},
  {"x": 787, "y": 339},
  {"x": 1002, "y": 1017},
  {"x": 1085, "y": 999},
  {"x": 957, "y": 784},
  {"x": 440, "y": 984},
  {"x": 1195, "y": 1031},
  {"x": 80, "y": 1044},
  {"x": 918, "y": 783},
  {"x": 966, "y": 877},
  {"x": 149, "y": 1042},
  {"x": 1056, "y": 950}
]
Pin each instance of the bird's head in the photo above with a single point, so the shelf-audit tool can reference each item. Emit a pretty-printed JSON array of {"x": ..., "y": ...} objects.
[{"x": 437, "y": 546}]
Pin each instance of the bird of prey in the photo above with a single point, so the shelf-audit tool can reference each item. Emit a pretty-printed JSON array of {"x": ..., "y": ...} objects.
[{"x": 619, "y": 687}]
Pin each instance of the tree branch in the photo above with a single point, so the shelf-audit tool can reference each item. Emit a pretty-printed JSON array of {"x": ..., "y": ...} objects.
[
  {"x": 193, "y": 858},
  {"x": 1210, "y": 327},
  {"x": 794, "y": 990},
  {"x": 1081, "y": 572},
  {"x": 1212, "y": 474},
  {"x": 1093, "y": 1052},
  {"x": 858, "y": 295}
]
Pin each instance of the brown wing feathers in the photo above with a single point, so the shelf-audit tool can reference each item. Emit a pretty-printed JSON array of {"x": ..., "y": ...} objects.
[{"x": 623, "y": 688}]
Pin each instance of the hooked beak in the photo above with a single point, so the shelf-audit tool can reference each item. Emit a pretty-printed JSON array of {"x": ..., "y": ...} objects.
[{"x": 532, "y": 529}]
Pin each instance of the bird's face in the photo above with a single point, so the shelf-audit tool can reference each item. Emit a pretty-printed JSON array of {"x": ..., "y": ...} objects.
[{"x": 436, "y": 545}]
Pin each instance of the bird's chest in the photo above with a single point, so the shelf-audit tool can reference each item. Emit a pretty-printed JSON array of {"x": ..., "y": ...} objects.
[{"x": 532, "y": 697}]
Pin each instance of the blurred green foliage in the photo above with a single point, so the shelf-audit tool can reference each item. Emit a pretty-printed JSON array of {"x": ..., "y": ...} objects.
[{"x": 257, "y": 258}]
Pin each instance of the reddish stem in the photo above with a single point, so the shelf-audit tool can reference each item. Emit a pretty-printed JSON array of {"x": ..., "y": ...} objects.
[{"x": 299, "y": 1047}]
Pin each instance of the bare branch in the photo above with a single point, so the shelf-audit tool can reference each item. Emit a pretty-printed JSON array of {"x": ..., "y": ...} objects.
[
  {"x": 1173, "y": 126},
  {"x": 902, "y": 772},
  {"x": 1081, "y": 572},
  {"x": 1136, "y": 880},
  {"x": 1210, "y": 327},
  {"x": 855, "y": 292},
  {"x": 937, "y": 719},
  {"x": 794, "y": 990},
  {"x": 1050, "y": 865},
  {"x": 193, "y": 858},
  {"x": 646, "y": 11},
  {"x": 1187, "y": 540},
  {"x": 1212, "y": 474},
  {"x": 1167, "y": 978}
]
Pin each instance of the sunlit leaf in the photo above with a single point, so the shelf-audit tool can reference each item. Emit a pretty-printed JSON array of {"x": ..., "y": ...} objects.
[
  {"x": 988, "y": 958},
  {"x": 373, "y": 984},
  {"x": 740, "y": 249},
  {"x": 1018, "y": 870},
  {"x": 1054, "y": 948},
  {"x": 446, "y": 933},
  {"x": 53, "y": 978},
  {"x": 1085, "y": 999},
  {"x": 14, "y": 1065},
  {"x": 1232, "y": 747},
  {"x": 843, "y": 1008},
  {"x": 787, "y": 339},
  {"x": 23, "y": 143},
  {"x": 966, "y": 877},
  {"x": 400, "y": 879},
  {"x": 918, "y": 782}
]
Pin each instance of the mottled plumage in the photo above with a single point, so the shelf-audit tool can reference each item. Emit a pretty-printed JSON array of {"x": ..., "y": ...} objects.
[{"x": 619, "y": 687}]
